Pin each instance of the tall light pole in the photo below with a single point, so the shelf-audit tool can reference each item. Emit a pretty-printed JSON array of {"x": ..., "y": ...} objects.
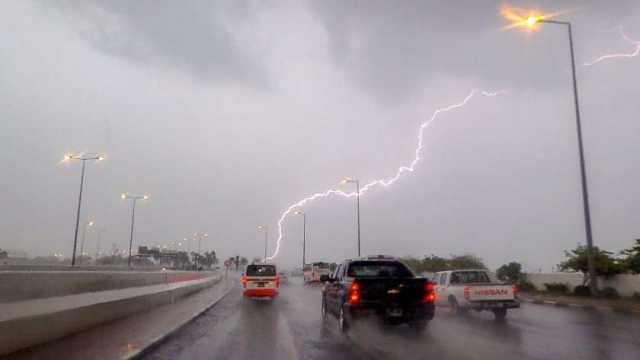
[
  {"x": 86, "y": 225},
  {"x": 84, "y": 158},
  {"x": 304, "y": 235},
  {"x": 98, "y": 243},
  {"x": 199, "y": 237},
  {"x": 530, "y": 22},
  {"x": 134, "y": 199},
  {"x": 348, "y": 180},
  {"x": 265, "y": 229}
]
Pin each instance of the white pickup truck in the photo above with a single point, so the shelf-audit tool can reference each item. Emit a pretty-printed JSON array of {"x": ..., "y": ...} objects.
[{"x": 463, "y": 290}]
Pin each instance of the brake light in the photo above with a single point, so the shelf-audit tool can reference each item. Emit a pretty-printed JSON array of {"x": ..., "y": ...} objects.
[
  {"x": 277, "y": 281},
  {"x": 515, "y": 290},
  {"x": 467, "y": 292},
  {"x": 243, "y": 280},
  {"x": 354, "y": 294},
  {"x": 429, "y": 294}
]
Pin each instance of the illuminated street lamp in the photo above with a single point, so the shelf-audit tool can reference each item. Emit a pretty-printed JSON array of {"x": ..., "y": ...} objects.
[
  {"x": 87, "y": 225},
  {"x": 531, "y": 21},
  {"x": 84, "y": 158},
  {"x": 348, "y": 180},
  {"x": 134, "y": 199},
  {"x": 304, "y": 234},
  {"x": 265, "y": 229}
]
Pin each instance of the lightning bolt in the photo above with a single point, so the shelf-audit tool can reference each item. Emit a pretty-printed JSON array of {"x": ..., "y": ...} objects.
[
  {"x": 382, "y": 181},
  {"x": 634, "y": 53}
]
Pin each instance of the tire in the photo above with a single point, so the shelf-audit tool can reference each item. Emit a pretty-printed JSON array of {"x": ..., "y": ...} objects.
[
  {"x": 419, "y": 325},
  {"x": 500, "y": 314},
  {"x": 323, "y": 310},
  {"x": 343, "y": 324},
  {"x": 455, "y": 308}
]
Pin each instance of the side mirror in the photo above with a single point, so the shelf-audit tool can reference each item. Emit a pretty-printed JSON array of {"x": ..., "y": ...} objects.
[{"x": 325, "y": 278}]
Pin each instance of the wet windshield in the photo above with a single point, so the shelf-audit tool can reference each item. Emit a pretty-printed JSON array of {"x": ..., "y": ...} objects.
[{"x": 247, "y": 161}]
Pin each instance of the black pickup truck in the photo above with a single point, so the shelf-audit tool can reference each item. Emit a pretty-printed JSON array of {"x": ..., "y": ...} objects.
[{"x": 377, "y": 286}]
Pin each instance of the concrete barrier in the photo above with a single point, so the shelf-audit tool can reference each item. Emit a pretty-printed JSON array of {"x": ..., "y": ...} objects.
[
  {"x": 25, "y": 285},
  {"x": 31, "y": 322}
]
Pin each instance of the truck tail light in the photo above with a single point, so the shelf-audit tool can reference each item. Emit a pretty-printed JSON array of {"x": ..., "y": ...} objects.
[
  {"x": 354, "y": 294},
  {"x": 467, "y": 292},
  {"x": 429, "y": 294},
  {"x": 515, "y": 290}
]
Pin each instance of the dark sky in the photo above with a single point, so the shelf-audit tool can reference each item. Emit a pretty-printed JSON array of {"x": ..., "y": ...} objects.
[{"x": 227, "y": 112}]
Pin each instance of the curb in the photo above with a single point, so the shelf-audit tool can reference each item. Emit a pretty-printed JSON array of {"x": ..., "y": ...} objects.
[
  {"x": 138, "y": 354},
  {"x": 601, "y": 309}
]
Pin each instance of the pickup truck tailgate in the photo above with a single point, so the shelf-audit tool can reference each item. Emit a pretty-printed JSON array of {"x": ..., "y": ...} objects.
[
  {"x": 489, "y": 292},
  {"x": 392, "y": 291}
]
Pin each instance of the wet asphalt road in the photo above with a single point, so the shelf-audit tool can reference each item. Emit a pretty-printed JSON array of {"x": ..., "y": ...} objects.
[{"x": 291, "y": 327}]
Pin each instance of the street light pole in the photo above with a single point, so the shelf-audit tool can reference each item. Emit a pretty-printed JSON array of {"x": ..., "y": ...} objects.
[
  {"x": 265, "y": 229},
  {"x": 83, "y": 158},
  {"x": 358, "y": 212},
  {"x": 593, "y": 279},
  {"x": 199, "y": 236},
  {"x": 347, "y": 180},
  {"x": 102, "y": 230},
  {"x": 133, "y": 219},
  {"x": 304, "y": 235},
  {"x": 134, "y": 199},
  {"x": 84, "y": 236}
]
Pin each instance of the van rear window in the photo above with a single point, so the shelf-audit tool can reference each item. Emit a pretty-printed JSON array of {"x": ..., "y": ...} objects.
[{"x": 261, "y": 270}]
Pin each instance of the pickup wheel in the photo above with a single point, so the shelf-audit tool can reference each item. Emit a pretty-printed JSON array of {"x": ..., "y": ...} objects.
[
  {"x": 323, "y": 310},
  {"x": 500, "y": 314},
  {"x": 343, "y": 324},
  {"x": 455, "y": 308},
  {"x": 419, "y": 325}
]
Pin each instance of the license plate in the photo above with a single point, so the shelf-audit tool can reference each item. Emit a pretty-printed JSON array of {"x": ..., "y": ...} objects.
[
  {"x": 260, "y": 284},
  {"x": 394, "y": 312}
]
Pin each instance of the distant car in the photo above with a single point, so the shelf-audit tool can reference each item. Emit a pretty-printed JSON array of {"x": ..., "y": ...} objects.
[
  {"x": 312, "y": 272},
  {"x": 465, "y": 290},
  {"x": 284, "y": 278},
  {"x": 377, "y": 286},
  {"x": 260, "y": 280}
]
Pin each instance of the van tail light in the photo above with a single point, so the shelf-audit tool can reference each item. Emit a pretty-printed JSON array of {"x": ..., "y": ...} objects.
[
  {"x": 354, "y": 294},
  {"x": 467, "y": 292},
  {"x": 243, "y": 280},
  {"x": 429, "y": 293}
]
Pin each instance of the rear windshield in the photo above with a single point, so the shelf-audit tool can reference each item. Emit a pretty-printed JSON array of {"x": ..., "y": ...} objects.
[
  {"x": 261, "y": 270},
  {"x": 469, "y": 277},
  {"x": 390, "y": 269}
]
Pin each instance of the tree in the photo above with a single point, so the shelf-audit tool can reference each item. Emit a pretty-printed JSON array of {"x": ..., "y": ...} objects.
[
  {"x": 511, "y": 272},
  {"x": 467, "y": 261},
  {"x": 605, "y": 264},
  {"x": 243, "y": 261},
  {"x": 208, "y": 259},
  {"x": 4, "y": 254},
  {"x": 413, "y": 263},
  {"x": 436, "y": 263},
  {"x": 631, "y": 261}
]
